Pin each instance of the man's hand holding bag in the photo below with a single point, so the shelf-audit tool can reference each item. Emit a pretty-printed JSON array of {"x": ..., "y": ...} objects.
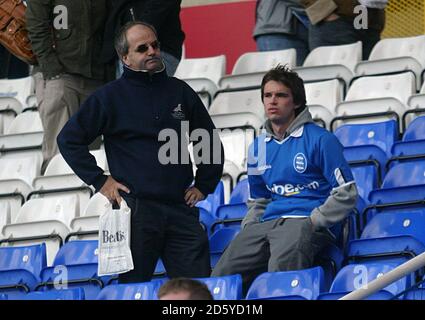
[{"x": 114, "y": 241}]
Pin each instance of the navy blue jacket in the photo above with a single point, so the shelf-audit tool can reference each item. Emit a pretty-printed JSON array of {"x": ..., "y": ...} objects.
[{"x": 130, "y": 113}]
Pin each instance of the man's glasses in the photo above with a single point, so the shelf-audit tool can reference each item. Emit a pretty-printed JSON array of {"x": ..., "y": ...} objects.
[{"x": 145, "y": 47}]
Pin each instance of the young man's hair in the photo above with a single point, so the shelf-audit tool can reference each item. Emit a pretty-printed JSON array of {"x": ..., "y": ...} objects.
[
  {"x": 197, "y": 290},
  {"x": 121, "y": 43},
  {"x": 290, "y": 79}
]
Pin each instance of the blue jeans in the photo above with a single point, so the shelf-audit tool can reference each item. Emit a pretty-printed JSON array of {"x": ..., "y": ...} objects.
[
  {"x": 282, "y": 41},
  {"x": 342, "y": 31}
]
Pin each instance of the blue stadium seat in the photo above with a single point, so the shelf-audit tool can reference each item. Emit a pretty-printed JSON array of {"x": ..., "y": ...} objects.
[
  {"x": 415, "y": 130},
  {"x": 240, "y": 193},
  {"x": 219, "y": 241},
  {"x": 381, "y": 134},
  {"x": 405, "y": 174},
  {"x": 380, "y": 295},
  {"x": 133, "y": 291},
  {"x": 208, "y": 207},
  {"x": 225, "y": 287},
  {"x": 207, "y": 220},
  {"x": 400, "y": 199},
  {"x": 389, "y": 234},
  {"x": 330, "y": 259},
  {"x": 213, "y": 200},
  {"x": 408, "y": 150},
  {"x": 366, "y": 180},
  {"x": 20, "y": 269},
  {"x": 64, "y": 294},
  {"x": 416, "y": 294},
  {"x": 75, "y": 265},
  {"x": 231, "y": 215},
  {"x": 3, "y": 297},
  {"x": 354, "y": 276},
  {"x": 370, "y": 156},
  {"x": 299, "y": 285}
]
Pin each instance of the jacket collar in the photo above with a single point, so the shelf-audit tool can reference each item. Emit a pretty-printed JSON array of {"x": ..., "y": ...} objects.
[
  {"x": 142, "y": 77},
  {"x": 295, "y": 129}
]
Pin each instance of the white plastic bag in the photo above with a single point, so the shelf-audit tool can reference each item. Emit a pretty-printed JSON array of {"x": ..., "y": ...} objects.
[{"x": 114, "y": 241}]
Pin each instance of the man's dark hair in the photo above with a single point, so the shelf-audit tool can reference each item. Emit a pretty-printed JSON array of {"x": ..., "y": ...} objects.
[
  {"x": 290, "y": 79},
  {"x": 121, "y": 43},
  {"x": 197, "y": 290}
]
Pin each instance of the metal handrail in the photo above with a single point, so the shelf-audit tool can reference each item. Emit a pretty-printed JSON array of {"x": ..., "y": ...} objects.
[{"x": 396, "y": 274}]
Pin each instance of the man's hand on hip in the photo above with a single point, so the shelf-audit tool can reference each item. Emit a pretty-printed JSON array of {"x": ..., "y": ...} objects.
[
  {"x": 193, "y": 196},
  {"x": 110, "y": 190}
]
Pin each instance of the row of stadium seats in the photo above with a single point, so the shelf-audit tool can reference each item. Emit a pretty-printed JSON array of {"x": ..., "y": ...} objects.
[
  {"x": 24, "y": 275},
  {"x": 207, "y": 75}
]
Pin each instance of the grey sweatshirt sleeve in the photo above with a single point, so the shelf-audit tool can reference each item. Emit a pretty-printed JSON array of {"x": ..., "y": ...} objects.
[
  {"x": 256, "y": 209},
  {"x": 336, "y": 207}
]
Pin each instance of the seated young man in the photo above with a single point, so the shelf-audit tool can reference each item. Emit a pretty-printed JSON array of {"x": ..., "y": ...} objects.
[{"x": 300, "y": 186}]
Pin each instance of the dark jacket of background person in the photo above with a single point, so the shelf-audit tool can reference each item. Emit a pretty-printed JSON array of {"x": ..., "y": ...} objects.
[
  {"x": 317, "y": 10},
  {"x": 74, "y": 50},
  {"x": 276, "y": 16},
  {"x": 164, "y": 15}
]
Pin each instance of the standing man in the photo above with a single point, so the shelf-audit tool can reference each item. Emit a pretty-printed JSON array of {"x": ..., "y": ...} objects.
[
  {"x": 332, "y": 23},
  {"x": 280, "y": 25},
  {"x": 300, "y": 186},
  {"x": 66, "y": 36},
  {"x": 132, "y": 113},
  {"x": 164, "y": 15}
]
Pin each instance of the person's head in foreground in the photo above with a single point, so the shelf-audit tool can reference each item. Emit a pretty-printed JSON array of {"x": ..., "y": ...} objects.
[{"x": 184, "y": 289}]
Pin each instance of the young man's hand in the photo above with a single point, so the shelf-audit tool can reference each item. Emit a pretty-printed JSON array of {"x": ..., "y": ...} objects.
[
  {"x": 110, "y": 190},
  {"x": 193, "y": 196}
]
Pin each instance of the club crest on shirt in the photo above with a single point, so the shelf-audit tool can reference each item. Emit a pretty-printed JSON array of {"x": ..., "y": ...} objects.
[
  {"x": 178, "y": 113},
  {"x": 300, "y": 163}
]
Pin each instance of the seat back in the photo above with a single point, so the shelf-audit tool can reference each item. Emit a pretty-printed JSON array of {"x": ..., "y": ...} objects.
[
  {"x": 96, "y": 205},
  {"x": 400, "y": 47},
  {"x": 387, "y": 224},
  {"x": 366, "y": 180},
  {"x": 25, "y": 166},
  {"x": 30, "y": 258},
  {"x": 324, "y": 93},
  {"x": 415, "y": 130},
  {"x": 264, "y": 61},
  {"x": 62, "y": 209},
  {"x": 212, "y": 68},
  {"x": 133, "y": 291},
  {"x": 77, "y": 252},
  {"x": 213, "y": 200},
  {"x": 63, "y": 294},
  {"x": 238, "y": 102},
  {"x": 405, "y": 174},
  {"x": 240, "y": 193},
  {"x": 25, "y": 122},
  {"x": 58, "y": 165},
  {"x": 225, "y": 287},
  {"x": 399, "y": 86},
  {"x": 347, "y": 55},
  {"x": 306, "y": 284},
  {"x": 381, "y": 134},
  {"x": 235, "y": 144},
  {"x": 354, "y": 276},
  {"x": 20, "y": 89}
]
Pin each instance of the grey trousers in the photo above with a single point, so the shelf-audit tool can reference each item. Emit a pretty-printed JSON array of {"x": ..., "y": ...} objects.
[
  {"x": 58, "y": 100},
  {"x": 276, "y": 245}
]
